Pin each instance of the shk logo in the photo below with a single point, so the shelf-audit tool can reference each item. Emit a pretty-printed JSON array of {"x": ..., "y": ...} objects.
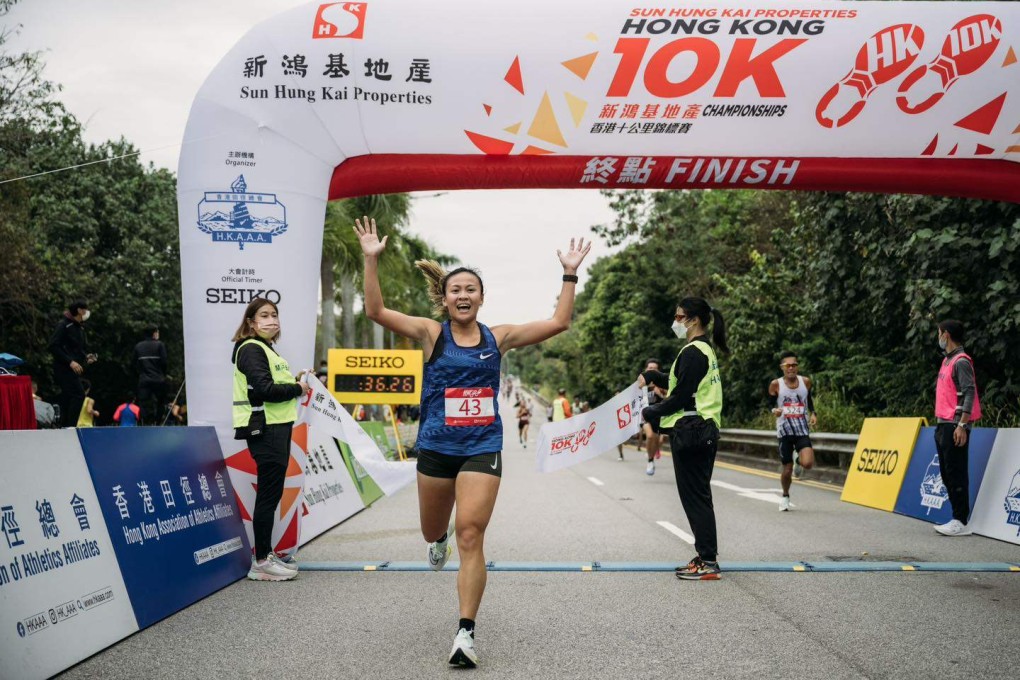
[
  {"x": 623, "y": 416},
  {"x": 878, "y": 461},
  {"x": 340, "y": 20}
]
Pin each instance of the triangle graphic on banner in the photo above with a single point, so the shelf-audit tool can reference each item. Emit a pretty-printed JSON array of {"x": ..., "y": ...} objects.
[
  {"x": 983, "y": 119},
  {"x": 1017, "y": 131},
  {"x": 592, "y": 37},
  {"x": 536, "y": 151},
  {"x": 293, "y": 467},
  {"x": 544, "y": 126},
  {"x": 490, "y": 145},
  {"x": 953, "y": 152},
  {"x": 513, "y": 76},
  {"x": 240, "y": 506},
  {"x": 930, "y": 149},
  {"x": 300, "y": 436},
  {"x": 289, "y": 538},
  {"x": 581, "y": 66},
  {"x": 1010, "y": 58},
  {"x": 983, "y": 150},
  {"x": 488, "y": 109},
  {"x": 242, "y": 461},
  {"x": 577, "y": 107},
  {"x": 513, "y": 129},
  {"x": 287, "y": 502}
]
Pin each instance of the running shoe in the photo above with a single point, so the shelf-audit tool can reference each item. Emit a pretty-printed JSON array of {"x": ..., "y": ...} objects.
[
  {"x": 288, "y": 560},
  {"x": 953, "y": 528},
  {"x": 798, "y": 469},
  {"x": 784, "y": 504},
  {"x": 463, "y": 652},
  {"x": 270, "y": 569},
  {"x": 650, "y": 468},
  {"x": 658, "y": 455},
  {"x": 439, "y": 553},
  {"x": 699, "y": 570}
]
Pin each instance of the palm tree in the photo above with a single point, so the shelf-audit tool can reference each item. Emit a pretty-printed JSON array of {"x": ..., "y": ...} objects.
[{"x": 341, "y": 258}]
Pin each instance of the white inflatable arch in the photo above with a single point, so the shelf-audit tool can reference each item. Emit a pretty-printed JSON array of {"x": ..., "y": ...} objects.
[{"x": 339, "y": 99}]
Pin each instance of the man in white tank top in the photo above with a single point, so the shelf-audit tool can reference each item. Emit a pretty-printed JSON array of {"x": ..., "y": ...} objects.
[{"x": 794, "y": 411}]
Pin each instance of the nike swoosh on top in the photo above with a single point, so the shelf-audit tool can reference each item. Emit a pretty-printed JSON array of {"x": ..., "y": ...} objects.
[{"x": 485, "y": 356}]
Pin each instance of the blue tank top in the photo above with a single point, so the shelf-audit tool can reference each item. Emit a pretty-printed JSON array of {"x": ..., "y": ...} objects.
[{"x": 459, "y": 406}]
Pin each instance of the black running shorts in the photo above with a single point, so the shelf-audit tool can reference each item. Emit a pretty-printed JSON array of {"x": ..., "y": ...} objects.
[
  {"x": 433, "y": 464},
  {"x": 790, "y": 443}
]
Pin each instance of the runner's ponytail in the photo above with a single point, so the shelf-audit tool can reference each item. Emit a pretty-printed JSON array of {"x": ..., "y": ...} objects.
[{"x": 434, "y": 275}]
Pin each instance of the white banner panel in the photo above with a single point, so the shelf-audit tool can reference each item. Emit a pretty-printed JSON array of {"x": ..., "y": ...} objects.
[
  {"x": 996, "y": 511},
  {"x": 62, "y": 597},
  {"x": 588, "y": 435},
  {"x": 325, "y": 415}
]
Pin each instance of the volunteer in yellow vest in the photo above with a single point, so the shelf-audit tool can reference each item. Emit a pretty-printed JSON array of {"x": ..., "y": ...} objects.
[
  {"x": 956, "y": 408},
  {"x": 691, "y": 415},
  {"x": 561, "y": 406},
  {"x": 265, "y": 407}
]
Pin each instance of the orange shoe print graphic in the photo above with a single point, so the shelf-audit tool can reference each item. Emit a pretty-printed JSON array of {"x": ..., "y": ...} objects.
[
  {"x": 885, "y": 55},
  {"x": 969, "y": 45}
]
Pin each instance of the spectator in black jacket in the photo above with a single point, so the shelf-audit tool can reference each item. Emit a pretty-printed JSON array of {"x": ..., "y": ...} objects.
[
  {"x": 150, "y": 360},
  {"x": 69, "y": 348}
]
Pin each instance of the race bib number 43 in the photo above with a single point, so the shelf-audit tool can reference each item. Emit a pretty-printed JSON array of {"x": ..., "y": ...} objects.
[{"x": 470, "y": 406}]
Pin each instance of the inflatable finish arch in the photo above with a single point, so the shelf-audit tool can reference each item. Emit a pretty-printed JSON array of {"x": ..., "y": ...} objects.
[{"x": 338, "y": 99}]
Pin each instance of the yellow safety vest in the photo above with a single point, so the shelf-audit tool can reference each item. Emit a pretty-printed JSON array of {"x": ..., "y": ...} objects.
[
  {"x": 708, "y": 397},
  {"x": 276, "y": 411}
]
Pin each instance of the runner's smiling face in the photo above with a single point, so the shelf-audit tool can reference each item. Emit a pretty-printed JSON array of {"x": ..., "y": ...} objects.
[
  {"x": 789, "y": 367},
  {"x": 463, "y": 297}
]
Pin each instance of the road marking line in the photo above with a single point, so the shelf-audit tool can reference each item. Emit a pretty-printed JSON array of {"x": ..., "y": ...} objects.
[
  {"x": 775, "y": 475},
  {"x": 596, "y": 482},
  {"x": 677, "y": 531},
  {"x": 748, "y": 493},
  {"x": 908, "y": 567}
]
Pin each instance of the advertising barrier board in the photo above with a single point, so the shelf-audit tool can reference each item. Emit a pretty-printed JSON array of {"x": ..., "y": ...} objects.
[
  {"x": 62, "y": 597},
  {"x": 996, "y": 511},
  {"x": 880, "y": 461},
  {"x": 168, "y": 503},
  {"x": 923, "y": 495}
]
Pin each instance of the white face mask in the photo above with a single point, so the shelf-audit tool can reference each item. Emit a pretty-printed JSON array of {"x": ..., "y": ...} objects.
[
  {"x": 86, "y": 315},
  {"x": 679, "y": 329}
]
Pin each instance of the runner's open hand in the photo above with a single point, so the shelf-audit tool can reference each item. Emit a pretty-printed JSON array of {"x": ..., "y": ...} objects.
[
  {"x": 573, "y": 258},
  {"x": 371, "y": 246}
]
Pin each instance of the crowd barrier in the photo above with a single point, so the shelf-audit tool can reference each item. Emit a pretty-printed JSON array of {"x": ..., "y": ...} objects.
[{"x": 896, "y": 468}]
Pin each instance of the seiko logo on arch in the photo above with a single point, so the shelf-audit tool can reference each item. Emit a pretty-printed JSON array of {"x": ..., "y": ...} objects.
[
  {"x": 878, "y": 461},
  {"x": 241, "y": 217},
  {"x": 239, "y": 296}
]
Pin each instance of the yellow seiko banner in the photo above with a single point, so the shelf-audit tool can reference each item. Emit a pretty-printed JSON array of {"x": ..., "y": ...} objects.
[{"x": 880, "y": 461}]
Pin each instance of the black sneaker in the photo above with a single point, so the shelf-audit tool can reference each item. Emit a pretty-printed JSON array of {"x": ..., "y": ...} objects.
[{"x": 699, "y": 570}]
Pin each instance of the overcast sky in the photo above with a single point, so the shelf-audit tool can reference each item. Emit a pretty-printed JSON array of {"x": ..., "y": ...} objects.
[{"x": 132, "y": 67}]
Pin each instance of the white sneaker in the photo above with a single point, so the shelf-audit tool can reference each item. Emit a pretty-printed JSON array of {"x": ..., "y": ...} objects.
[
  {"x": 463, "y": 652},
  {"x": 953, "y": 528},
  {"x": 439, "y": 553},
  {"x": 798, "y": 469},
  {"x": 270, "y": 569},
  {"x": 650, "y": 468},
  {"x": 288, "y": 561},
  {"x": 784, "y": 504}
]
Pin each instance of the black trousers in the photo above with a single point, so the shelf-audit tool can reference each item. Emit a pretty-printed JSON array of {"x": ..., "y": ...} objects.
[
  {"x": 72, "y": 395},
  {"x": 271, "y": 452},
  {"x": 953, "y": 460},
  {"x": 152, "y": 402},
  {"x": 693, "y": 446}
]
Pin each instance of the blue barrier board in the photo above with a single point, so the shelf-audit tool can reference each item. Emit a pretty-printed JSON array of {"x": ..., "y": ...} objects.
[
  {"x": 172, "y": 515},
  {"x": 923, "y": 495}
]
